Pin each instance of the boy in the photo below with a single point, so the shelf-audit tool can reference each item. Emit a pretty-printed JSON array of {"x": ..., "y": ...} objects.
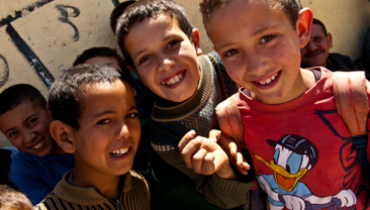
[
  {"x": 10, "y": 199},
  {"x": 96, "y": 119},
  {"x": 107, "y": 56},
  {"x": 301, "y": 150},
  {"x": 160, "y": 46},
  {"x": 24, "y": 120}
]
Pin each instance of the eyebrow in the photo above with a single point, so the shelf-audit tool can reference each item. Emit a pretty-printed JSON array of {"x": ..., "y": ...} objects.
[
  {"x": 264, "y": 28},
  {"x": 24, "y": 122}
]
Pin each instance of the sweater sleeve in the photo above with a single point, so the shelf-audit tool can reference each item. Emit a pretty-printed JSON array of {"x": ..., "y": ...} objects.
[
  {"x": 29, "y": 182},
  {"x": 220, "y": 192}
]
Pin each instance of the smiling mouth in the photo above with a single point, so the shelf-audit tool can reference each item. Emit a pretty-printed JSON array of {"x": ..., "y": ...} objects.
[
  {"x": 308, "y": 55},
  {"x": 38, "y": 145},
  {"x": 269, "y": 80},
  {"x": 174, "y": 80},
  {"x": 119, "y": 152}
]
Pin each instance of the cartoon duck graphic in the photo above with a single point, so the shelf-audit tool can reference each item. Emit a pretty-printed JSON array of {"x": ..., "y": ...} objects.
[{"x": 294, "y": 157}]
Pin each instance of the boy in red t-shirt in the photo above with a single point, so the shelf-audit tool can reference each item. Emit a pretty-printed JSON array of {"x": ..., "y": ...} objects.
[{"x": 301, "y": 149}]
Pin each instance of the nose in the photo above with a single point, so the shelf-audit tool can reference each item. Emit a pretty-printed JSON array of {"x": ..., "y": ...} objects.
[
  {"x": 166, "y": 62},
  {"x": 123, "y": 130},
  {"x": 28, "y": 135},
  {"x": 255, "y": 62},
  {"x": 311, "y": 46}
]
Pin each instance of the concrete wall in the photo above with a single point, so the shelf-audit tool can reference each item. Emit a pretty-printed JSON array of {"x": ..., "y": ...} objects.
[{"x": 41, "y": 38}]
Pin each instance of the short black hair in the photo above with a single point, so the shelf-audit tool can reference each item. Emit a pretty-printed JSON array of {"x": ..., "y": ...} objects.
[
  {"x": 290, "y": 7},
  {"x": 142, "y": 10},
  {"x": 316, "y": 21},
  {"x": 100, "y": 52},
  {"x": 15, "y": 95},
  {"x": 66, "y": 93},
  {"x": 117, "y": 12}
]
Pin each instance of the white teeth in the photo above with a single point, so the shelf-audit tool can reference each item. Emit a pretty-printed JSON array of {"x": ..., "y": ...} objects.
[
  {"x": 37, "y": 146},
  {"x": 120, "y": 152},
  {"x": 177, "y": 78},
  {"x": 173, "y": 80},
  {"x": 268, "y": 81}
]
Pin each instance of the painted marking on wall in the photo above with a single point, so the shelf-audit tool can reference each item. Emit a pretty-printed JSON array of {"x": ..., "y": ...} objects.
[
  {"x": 30, "y": 56},
  {"x": 19, "y": 13},
  {"x": 64, "y": 17},
  {"x": 116, "y": 2},
  {"x": 4, "y": 75}
]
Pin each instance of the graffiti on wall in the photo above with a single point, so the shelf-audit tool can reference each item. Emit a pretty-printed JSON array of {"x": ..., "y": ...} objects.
[{"x": 67, "y": 13}]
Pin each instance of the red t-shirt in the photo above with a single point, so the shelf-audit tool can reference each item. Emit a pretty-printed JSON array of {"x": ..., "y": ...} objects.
[{"x": 302, "y": 151}]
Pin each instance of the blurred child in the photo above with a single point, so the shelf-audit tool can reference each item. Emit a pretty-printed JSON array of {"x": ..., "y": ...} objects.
[
  {"x": 24, "y": 120},
  {"x": 301, "y": 149},
  {"x": 11, "y": 199},
  {"x": 161, "y": 46},
  {"x": 96, "y": 119}
]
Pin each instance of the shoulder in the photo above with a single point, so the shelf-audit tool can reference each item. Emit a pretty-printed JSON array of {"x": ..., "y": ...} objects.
[
  {"x": 337, "y": 56},
  {"x": 23, "y": 161},
  {"x": 137, "y": 189},
  {"x": 137, "y": 179}
]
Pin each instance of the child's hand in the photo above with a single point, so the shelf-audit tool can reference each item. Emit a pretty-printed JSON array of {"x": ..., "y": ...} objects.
[
  {"x": 234, "y": 153},
  {"x": 205, "y": 156}
]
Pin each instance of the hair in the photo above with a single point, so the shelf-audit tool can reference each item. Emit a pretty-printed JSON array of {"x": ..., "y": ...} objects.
[
  {"x": 117, "y": 12},
  {"x": 316, "y": 21},
  {"x": 100, "y": 52},
  {"x": 290, "y": 7},
  {"x": 142, "y": 10},
  {"x": 67, "y": 92},
  {"x": 15, "y": 95},
  {"x": 11, "y": 199}
]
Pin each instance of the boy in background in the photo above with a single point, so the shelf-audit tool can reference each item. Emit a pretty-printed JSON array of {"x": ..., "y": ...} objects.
[
  {"x": 301, "y": 149},
  {"x": 24, "y": 120},
  {"x": 96, "y": 119},
  {"x": 161, "y": 46}
]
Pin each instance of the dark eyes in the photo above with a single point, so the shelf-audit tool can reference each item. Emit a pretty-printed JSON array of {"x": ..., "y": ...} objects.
[
  {"x": 12, "y": 134},
  {"x": 132, "y": 115},
  {"x": 144, "y": 59},
  {"x": 172, "y": 43},
  {"x": 266, "y": 39},
  {"x": 231, "y": 53},
  {"x": 108, "y": 120},
  {"x": 104, "y": 121}
]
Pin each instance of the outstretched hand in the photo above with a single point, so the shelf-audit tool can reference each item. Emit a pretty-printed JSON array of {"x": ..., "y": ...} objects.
[{"x": 205, "y": 156}]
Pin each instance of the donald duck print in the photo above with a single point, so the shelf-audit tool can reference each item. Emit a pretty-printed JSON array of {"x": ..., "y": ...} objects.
[{"x": 294, "y": 157}]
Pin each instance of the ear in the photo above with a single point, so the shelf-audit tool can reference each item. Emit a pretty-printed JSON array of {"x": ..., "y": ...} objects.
[
  {"x": 304, "y": 26},
  {"x": 195, "y": 39},
  {"x": 62, "y": 134},
  {"x": 330, "y": 40}
]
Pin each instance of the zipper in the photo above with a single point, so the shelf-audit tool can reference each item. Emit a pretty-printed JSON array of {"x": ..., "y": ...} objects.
[{"x": 119, "y": 204}]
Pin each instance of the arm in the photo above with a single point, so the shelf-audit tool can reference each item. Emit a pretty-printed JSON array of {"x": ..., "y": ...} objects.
[{"x": 217, "y": 191}]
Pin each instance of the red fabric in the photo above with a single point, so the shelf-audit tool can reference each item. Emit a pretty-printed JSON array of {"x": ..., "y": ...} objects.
[{"x": 337, "y": 167}]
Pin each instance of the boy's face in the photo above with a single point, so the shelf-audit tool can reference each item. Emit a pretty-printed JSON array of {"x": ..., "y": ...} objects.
[
  {"x": 164, "y": 57},
  {"x": 259, "y": 48},
  {"x": 27, "y": 128},
  {"x": 103, "y": 60},
  {"x": 316, "y": 52},
  {"x": 109, "y": 132}
]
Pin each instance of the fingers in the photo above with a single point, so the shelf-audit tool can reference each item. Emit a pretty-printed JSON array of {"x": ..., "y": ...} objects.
[
  {"x": 214, "y": 134},
  {"x": 203, "y": 162},
  {"x": 242, "y": 165},
  {"x": 190, "y": 150},
  {"x": 185, "y": 140}
]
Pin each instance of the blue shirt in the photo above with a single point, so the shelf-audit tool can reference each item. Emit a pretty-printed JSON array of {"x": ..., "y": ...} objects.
[{"x": 37, "y": 176}]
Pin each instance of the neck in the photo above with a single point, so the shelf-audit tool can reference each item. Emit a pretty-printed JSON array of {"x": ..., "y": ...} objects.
[{"x": 106, "y": 184}]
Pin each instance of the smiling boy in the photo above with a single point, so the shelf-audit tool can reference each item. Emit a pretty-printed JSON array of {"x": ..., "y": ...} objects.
[
  {"x": 96, "y": 119},
  {"x": 302, "y": 152},
  {"x": 162, "y": 48},
  {"x": 24, "y": 120}
]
